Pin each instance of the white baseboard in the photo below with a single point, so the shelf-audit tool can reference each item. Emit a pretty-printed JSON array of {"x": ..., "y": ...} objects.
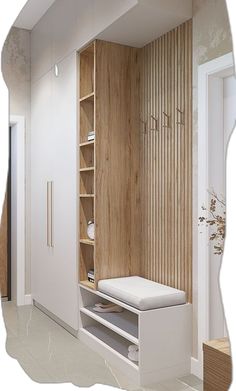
[
  {"x": 28, "y": 300},
  {"x": 196, "y": 368}
]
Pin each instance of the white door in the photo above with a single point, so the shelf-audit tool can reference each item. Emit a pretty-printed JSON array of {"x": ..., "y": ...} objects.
[
  {"x": 54, "y": 269},
  {"x": 218, "y": 140},
  {"x": 65, "y": 282},
  {"x": 41, "y": 172}
]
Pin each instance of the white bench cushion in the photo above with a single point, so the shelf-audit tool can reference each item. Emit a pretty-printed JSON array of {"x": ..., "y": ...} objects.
[{"x": 142, "y": 293}]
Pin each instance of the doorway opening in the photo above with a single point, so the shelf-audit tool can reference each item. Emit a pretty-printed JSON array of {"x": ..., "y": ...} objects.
[{"x": 216, "y": 120}]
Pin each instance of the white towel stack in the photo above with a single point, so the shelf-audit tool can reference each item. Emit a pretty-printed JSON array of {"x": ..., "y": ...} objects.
[{"x": 133, "y": 353}]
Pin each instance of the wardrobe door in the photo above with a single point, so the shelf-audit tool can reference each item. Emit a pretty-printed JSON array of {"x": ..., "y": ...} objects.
[
  {"x": 42, "y": 162},
  {"x": 64, "y": 302}
]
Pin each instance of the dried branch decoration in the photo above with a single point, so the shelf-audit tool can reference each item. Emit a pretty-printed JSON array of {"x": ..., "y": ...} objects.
[{"x": 217, "y": 220}]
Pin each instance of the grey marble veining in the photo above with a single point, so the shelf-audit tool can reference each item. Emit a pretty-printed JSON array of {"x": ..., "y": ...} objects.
[{"x": 49, "y": 354}]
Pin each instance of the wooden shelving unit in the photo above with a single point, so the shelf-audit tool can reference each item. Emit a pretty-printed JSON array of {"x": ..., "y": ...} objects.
[
  {"x": 87, "y": 160},
  {"x": 109, "y": 165}
]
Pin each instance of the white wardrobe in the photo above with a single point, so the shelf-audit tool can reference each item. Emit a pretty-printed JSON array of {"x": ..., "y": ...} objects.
[{"x": 53, "y": 192}]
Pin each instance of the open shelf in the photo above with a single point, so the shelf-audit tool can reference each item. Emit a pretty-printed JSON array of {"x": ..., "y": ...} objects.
[
  {"x": 89, "y": 97},
  {"x": 88, "y": 284},
  {"x": 87, "y": 169},
  {"x": 87, "y": 242},
  {"x": 87, "y": 144},
  {"x": 86, "y": 119},
  {"x": 87, "y": 182},
  {"x": 86, "y": 262},
  {"x": 87, "y": 71},
  {"x": 86, "y": 195},
  {"x": 87, "y": 155},
  {"x": 112, "y": 340},
  {"x": 124, "y": 323}
]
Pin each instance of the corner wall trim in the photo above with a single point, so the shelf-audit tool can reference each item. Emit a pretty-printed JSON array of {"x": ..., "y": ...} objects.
[
  {"x": 196, "y": 368},
  {"x": 17, "y": 124},
  {"x": 28, "y": 300}
]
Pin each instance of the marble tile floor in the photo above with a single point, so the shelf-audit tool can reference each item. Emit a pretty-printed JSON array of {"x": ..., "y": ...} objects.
[{"x": 49, "y": 354}]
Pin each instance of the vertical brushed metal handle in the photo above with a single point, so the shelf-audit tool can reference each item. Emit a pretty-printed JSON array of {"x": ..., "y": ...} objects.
[
  {"x": 51, "y": 213},
  {"x": 48, "y": 215}
]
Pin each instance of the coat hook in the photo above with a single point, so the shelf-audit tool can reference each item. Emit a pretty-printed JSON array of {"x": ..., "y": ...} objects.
[
  {"x": 156, "y": 129},
  {"x": 181, "y": 122},
  {"x": 145, "y": 125},
  {"x": 168, "y": 120}
]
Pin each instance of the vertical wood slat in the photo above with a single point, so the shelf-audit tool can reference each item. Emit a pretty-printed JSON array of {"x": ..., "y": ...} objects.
[{"x": 167, "y": 160}]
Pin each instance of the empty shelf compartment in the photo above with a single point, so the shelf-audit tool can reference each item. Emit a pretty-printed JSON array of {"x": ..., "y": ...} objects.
[{"x": 124, "y": 323}]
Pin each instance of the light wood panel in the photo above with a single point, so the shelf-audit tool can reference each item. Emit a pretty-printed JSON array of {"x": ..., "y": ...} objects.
[
  {"x": 166, "y": 159},
  {"x": 217, "y": 365},
  {"x": 3, "y": 250},
  {"x": 117, "y": 190}
]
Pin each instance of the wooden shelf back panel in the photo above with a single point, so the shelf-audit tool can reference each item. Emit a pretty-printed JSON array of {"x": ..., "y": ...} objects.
[
  {"x": 86, "y": 119},
  {"x": 86, "y": 260},
  {"x": 86, "y": 215},
  {"x": 87, "y": 71},
  {"x": 87, "y": 156},
  {"x": 87, "y": 182},
  {"x": 117, "y": 199}
]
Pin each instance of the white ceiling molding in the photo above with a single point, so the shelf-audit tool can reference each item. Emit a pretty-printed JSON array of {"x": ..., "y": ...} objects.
[{"x": 32, "y": 13}]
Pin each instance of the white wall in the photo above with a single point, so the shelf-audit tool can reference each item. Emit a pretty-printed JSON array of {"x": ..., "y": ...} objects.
[
  {"x": 67, "y": 26},
  {"x": 211, "y": 39},
  {"x": 16, "y": 73}
]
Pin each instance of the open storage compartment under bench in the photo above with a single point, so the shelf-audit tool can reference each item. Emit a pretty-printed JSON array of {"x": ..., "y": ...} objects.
[{"x": 163, "y": 337}]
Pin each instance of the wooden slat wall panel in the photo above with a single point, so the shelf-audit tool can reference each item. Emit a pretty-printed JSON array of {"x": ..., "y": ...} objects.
[{"x": 166, "y": 159}]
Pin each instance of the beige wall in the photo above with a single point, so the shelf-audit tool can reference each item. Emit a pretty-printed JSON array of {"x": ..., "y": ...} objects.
[
  {"x": 211, "y": 39},
  {"x": 16, "y": 73}
]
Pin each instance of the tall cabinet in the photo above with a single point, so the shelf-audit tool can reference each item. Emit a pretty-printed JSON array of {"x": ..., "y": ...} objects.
[
  {"x": 53, "y": 192},
  {"x": 109, "y": 164}
]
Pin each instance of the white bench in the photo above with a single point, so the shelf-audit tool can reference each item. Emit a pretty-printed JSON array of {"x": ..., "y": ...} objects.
[{"x": 163, "y": 334}]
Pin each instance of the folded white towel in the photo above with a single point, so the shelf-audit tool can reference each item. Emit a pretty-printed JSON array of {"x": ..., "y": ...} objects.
[
  {"x": 133, "y": 348},
  {"x": 134, "y": 356}
]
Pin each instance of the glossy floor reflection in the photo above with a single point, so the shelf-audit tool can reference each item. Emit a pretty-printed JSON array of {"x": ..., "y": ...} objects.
[{"x": 49, "y": 354}]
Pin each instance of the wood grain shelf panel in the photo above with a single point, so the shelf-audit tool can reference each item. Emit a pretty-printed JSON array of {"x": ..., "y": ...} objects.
[
  {"x": 88, "y": 284},
  {"x": 87, "y": 169},
  {"x": 87, "y": 144},
  {"x": 217, "y": 365},
  {"x": 86, "y": 195},
  {"x": 87, "y": 242},
  {"x": 89, "y": 97}
]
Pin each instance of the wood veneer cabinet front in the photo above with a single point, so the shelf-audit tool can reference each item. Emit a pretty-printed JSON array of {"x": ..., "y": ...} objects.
[
  {"x": 116, "y": 86},
  {"x": 217, "y": 365}
]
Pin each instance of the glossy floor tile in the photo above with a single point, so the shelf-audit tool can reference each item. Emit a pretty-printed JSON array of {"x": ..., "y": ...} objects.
[{"x": 49, "y": 354}]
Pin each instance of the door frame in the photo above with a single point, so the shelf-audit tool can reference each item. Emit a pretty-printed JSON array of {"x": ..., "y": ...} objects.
[
  {"x": 17, "y": 124},
  {"x": 210, "y": 76}
]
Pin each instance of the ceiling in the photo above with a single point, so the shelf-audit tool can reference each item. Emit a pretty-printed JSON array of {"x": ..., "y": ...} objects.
[
  {"x": 143, "y": 23},
  {"x": 32, "y": 13},
  {"x": 148, "y": 20}
]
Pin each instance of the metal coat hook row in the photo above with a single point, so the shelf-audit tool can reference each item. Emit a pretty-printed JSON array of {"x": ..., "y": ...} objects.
[
  {"x": 156, "y": 128},
  {"x": 168, "y": 121},
  {"x": 181, "y": 122}
]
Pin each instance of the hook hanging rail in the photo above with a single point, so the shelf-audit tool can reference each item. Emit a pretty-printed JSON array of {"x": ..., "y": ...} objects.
[
  {"x": 181, "y": 115},
  {"x": 167, "y": 125}
]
